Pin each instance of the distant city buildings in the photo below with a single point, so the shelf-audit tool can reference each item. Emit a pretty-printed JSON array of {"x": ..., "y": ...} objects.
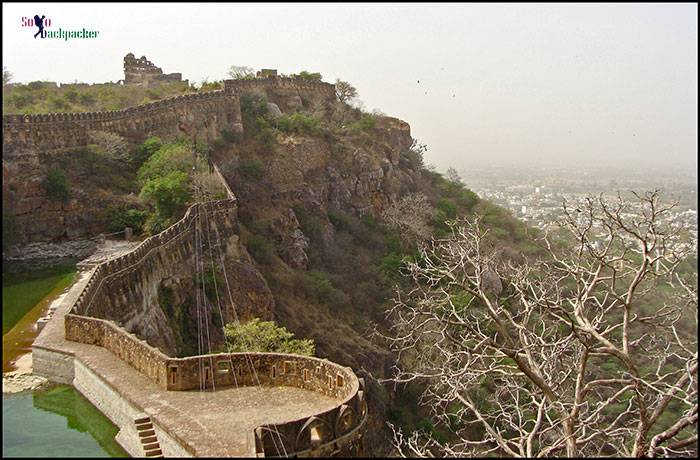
[{"x": 541, "y": 205}]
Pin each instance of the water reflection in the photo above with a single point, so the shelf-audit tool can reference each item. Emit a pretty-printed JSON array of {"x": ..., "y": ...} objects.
[{"x": 58, "y": 422}]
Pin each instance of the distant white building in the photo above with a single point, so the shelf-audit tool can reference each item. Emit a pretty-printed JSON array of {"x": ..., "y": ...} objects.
[
  {"x": 523, "y": 209},
  {"x": 537, "y": 190}
]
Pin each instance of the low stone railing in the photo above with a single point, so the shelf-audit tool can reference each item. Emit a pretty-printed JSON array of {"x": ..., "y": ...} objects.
[
  {"x": 136, "y": 352},
  {"x": 337, "y": 431}
]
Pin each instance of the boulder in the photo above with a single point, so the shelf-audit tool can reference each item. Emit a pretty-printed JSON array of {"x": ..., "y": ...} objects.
[{"x": 274, "y": 110}]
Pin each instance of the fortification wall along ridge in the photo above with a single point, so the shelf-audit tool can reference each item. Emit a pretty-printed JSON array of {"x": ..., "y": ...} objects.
[
  {"x": 125, "y": 289},
  {"x": 66, "y": 130},
  {"x": 201, "y": 114},
  {"x": 112, "y": 114},
  {"x": 304, "y": 87}
]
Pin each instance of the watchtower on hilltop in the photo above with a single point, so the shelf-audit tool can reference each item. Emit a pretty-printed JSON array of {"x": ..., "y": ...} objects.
[{"x": 141, "y": 71}]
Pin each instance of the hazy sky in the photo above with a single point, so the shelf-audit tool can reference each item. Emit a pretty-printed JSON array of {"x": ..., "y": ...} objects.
[{"x": 506, "y": 84}]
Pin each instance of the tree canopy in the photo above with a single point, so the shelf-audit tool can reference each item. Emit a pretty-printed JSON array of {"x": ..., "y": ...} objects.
[{"x": 265, "y": 336}]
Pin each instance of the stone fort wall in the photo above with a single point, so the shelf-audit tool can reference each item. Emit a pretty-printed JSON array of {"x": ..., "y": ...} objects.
[
  {"x": 33, "y": 144},
  {"x": 125, "y": 289},
  {"x": 337, "y": 431},
  {"x": 120, "y": 285},
  {"x": 203, "y": 114},
  {"x": 302, "y": 87}
]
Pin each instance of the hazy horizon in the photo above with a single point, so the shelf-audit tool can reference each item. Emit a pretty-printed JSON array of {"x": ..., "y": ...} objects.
[{"x": 507, "y": 85}]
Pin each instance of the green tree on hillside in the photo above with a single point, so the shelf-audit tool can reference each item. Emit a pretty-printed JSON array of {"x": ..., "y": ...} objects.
[
  {"x": 265, "y": 336},
  {"x": 344, "y": 91},
  {"x": 56, "y": 186},
  {"x": 310, "y": 76},
  {"x": 168, "y": 194}
]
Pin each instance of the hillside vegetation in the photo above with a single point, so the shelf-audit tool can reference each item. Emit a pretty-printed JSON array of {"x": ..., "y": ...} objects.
[
  {"x": 47, "y": 97},
  {"x": 332, "y": 201}
]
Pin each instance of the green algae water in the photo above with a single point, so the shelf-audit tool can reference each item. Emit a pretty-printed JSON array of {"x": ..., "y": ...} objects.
[
  {"x": 27, "y": 290},
  {"x": 25, "y": 284},
  {"x": 57, "y": 422}
]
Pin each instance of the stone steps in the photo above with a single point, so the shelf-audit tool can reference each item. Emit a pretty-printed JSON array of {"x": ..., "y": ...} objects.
[
  {"x": 147, "y": 435},
  {"x": 151, "y": 446}
]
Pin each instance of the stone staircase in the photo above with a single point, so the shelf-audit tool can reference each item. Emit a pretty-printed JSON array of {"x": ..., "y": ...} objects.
[{"x": 147, "y": 435}]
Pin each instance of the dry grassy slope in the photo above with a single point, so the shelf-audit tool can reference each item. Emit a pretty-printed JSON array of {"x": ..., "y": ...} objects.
[{"x": 357, "y": 175}]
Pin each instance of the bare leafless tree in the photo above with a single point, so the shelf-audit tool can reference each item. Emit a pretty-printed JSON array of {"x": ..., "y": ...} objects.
[
  {"x": 410, "y": 217},
  {"x": 112, "y": 145},
  {"x": 591, "y": 350},
  {"x": 6, "y": 76},
  {"x": 240, "y": 72},
  {"x": 453, "y": 176}
]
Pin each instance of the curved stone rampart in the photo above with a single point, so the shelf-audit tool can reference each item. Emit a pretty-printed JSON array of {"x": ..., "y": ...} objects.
[{"x": 337, "y": 431}]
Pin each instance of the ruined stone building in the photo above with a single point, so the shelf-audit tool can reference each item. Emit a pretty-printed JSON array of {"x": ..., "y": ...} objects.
[{"x": 142, "y": 72}]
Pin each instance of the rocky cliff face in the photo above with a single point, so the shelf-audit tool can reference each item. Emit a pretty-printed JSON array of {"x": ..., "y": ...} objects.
[
  {"x": 354, "y": 174},
  {"x": 307, "y": 182},
  {"x": 95, "y": 184}
]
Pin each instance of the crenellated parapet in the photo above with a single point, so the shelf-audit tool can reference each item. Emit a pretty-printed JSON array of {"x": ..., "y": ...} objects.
[
  {"x": 209, "y": 112},
  {"x": 110, "y": 290},
  {"x": 13, "y": 120},
  {"x": 199, "y": 113},
  {"x": 300, "y": 85}
]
